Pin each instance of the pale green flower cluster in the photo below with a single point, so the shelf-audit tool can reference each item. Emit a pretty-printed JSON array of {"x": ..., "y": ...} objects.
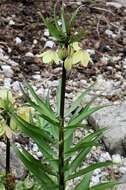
[{"x": 74, "y": 54}]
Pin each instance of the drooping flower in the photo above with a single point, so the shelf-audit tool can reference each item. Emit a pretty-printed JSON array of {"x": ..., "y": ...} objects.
[
  {"x": 50, "y": 57},
  {"x": 82, "y": 57}
]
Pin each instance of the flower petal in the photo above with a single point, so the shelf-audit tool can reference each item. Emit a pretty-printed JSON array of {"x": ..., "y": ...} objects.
[{"x": 68, "y": 63}]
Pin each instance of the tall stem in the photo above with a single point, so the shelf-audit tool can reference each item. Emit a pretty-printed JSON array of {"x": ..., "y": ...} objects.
[
  {"x": 7, "y": 156},
  {"x": 61, "y": 132},
  {"x": 7, "y": 148}
]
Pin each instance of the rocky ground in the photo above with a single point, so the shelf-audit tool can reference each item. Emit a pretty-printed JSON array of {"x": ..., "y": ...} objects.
[{"x": 23, "y": 36}]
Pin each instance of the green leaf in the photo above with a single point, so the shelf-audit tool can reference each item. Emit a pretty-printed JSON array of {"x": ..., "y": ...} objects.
[
  {"x": 64, "y": 21},
  {"x": 41, "y": 103},
  {"x": 84, "y": 114},
  {"x": 89, "y": 169},
  {"x": 77, "y": 37},
  {"x": 2, "y": 186},
  {"x": 54, "y": 31},
  {"x": 41, "y": 107},
  {"x": 43, "y": 178},
  {"x": 85, "y": 182},
  {"x": 77, "y": 161},
  {"x": 78, "y": 100},
  {"x": 74, "y": 16},
  {"x": 80, "y": 146},
  {"x": 40, "y": 136},
  {"x": 104, "y": 186}
]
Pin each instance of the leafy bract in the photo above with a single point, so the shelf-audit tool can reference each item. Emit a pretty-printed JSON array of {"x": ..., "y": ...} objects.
[{"x": 5, "y": 97}]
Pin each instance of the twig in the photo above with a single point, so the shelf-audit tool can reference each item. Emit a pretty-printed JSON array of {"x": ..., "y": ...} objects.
[{"x": 102, "y": 9}]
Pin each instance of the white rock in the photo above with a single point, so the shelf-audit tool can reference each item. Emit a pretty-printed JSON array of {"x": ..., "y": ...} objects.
[
  {"x": 39, "y": 154},
  {"x": 36, "y": 77},
  {"x": 29, "y": 54},
  {"x": 95, "y": 180},
  {"x": 122, "y": 170},
  {"x": 97, "y": 172},
  {"x": 8, "y": 72},
  {"x": 49, "y": 44},
  {"x": 7, "y": 83},
  {"x": 116, "y": 159},
  {"x": 16, "y": 86},
  {"x": 91, "y": 51},
  {"x": 11, "y": 23},
  {"x": 104, "y": 157},
  {"x": 46, "y": 32},
  {"x": 109, "y": 33},
  {"x": 18, "y": 40},
  {"x": 35, "y": 148},
  {"x": 114, "y": 4},
  {"x": 35, "y": 41}
]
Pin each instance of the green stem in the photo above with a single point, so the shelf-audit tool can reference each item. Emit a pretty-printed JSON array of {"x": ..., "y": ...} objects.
[{"x": 61, "y": 132}]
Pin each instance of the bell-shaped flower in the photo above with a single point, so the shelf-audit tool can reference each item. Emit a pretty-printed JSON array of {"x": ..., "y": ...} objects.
[
  {"x": 82, "y": 57},
  {"x": 4, "y": 129},
  {"x": 24, "y": 113},
  {"x": 50, "y": 57},
  {"x": 68, "y": 63}
]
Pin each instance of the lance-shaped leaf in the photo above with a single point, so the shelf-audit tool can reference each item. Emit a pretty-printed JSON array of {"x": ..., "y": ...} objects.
[
  {"x": 40, "y": 174},
  {"x": 78, "y": 100},
  {"x": 81, "y": 156},
  {"x": 53, "y": 29},
  {"x": 84, "y": 114},
  {"x": 85, "y": 182},
  {"x": 41, "y": 107},
  {"x": 40, "y": 137},
  {"x": 64, "y": 21},
  {"x": 89, "y": 169},
  {"x": 104, "y": 186},
  {"x": 79, "y": 146}
]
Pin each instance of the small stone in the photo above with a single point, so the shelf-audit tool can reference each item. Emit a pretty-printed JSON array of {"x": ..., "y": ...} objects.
[
  {"x": 35, "y": 148},
  {"x": 18, "y": 40},
  {"x": 11, "y": 23},
  {"x": 117, "y": 159},
  {"x": 36, "y": 77},
  {"x": 49, "y": 44},
  {"x": 39, "y": 154},
  {"x": 91, "y": 51},
  {"x": 104, "y": 157},
  {"x": 46, "y": 32},
  {"x": 29, "y": 54},
  {"x": 35, "y": 41},
  {"x": 95, "y": 180},
  {"x": 122, "y": 170},
  {"x": 7, "y": 83},
  {"x": 8, "y": 72},
  {"x": 16, "y": 86},
  {"x": 109, "y": 33}
]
